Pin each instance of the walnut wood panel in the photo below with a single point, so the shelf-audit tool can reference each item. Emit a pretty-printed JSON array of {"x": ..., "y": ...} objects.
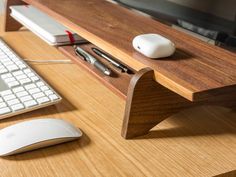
[
  {"x": 148, "y": 103},
  {"x": 195, "y": 68},
  {"x": 118, "y": 82},
  {"x": 228, "y": 174},
  {"x": 10, "y": 23}
]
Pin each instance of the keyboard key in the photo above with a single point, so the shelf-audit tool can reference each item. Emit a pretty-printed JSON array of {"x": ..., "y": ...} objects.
[
  {"x": 10, "y": 79},
  {"x": 4, "y": 70},
  {"x": 17, "y": 107},
  {"x": 21, "y": 94},
  {"x": 31, "y": 75},
  {"x": 17, "y": 73},
  {"x": 4, "y": 59},
  {"x": 8, "y": 63},
  {"x": 19, "y": 62},
  {"x": 35, "y": 78},
  {"x": 18, "y": 89},
  {"x": 26, "y": 98},
  {"x": 48, "y": 92},
  {"x": 39, "y": 84},
  {"x": 30, "y": 86},
  {"x": 22, "y": 66},
  {"x": 43, "y": 100},
  {"x": 4, "y": 76},
  {"x": 22, "y": 76},
  {"x": 38, "y": 95},
  {"x": 9, "y": 97},
  {"x": 5, "y": 110},
  {"x": 44, "y": 88},
  {"x": 13, "y": 84},
  {"x": 27, "y": 71},
  {"x": 12, "y": 102},
  {"x": 33, "y": 91},
  {"x": 7, "y": 92},
  {"x": 25, "y": 81},
  {"x": 53, "y": 97},
  {"x": 12, "y": 67},
  {"x": 3, "y": 105},
  {"x": 30, "y": 103}
]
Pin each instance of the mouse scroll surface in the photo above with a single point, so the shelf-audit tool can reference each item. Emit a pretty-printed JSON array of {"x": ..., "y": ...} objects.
[{"x": 36, "y": 134}]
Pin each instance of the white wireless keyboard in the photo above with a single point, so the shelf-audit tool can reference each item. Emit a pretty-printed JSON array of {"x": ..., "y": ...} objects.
[{"x": 21, "y": 89}]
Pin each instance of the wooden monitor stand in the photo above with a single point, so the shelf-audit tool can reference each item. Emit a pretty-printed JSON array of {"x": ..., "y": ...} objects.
[{"x": 196, "y": 74}]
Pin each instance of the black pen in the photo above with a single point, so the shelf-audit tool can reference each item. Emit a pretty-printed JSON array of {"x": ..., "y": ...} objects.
[
  {"x": 89, "y": 58},
  {"x": 110, "y": 59}
]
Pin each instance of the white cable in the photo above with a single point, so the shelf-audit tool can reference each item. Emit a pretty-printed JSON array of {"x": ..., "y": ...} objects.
[{"x": 50, "y": 61}]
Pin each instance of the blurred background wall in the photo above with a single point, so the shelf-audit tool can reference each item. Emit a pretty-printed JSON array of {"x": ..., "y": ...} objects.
[{"x": 221, "y": 8}]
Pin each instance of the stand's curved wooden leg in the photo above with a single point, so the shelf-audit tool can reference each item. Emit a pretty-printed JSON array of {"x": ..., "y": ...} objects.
[
  {"x": 10, "y": 23},
  {"x": 148, "y": 103}
]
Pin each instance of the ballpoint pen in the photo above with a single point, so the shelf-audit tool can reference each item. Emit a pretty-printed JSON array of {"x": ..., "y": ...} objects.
[
  {"x": 110, "y": 59},
  {"x": 92, "y": 60}
]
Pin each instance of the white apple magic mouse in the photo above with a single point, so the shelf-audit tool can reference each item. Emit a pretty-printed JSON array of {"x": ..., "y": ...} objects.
[
  {"x": 35, "y": 134},
  {"x": 153, "y": 46}
]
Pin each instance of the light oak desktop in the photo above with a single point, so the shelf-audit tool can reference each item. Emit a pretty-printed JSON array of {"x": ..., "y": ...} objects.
[{"x": 197, "y": 142}]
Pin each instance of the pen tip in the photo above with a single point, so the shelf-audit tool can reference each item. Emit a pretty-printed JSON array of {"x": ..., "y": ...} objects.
[
  {"x": 125, "y": 70},
  {"x": 107, "y": 72}
]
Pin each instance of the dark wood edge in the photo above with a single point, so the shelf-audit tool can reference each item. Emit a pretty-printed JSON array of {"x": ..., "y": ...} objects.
[{"x": 10, "y": 24}]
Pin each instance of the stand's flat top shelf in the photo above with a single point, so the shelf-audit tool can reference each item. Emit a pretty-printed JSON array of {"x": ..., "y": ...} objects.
[{"x": 196, "y": 71}]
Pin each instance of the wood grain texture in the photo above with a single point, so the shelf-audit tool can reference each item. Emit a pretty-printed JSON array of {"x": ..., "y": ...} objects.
[
  {"x": 195, "y": 68},
  {"x": 148, "y": 103},
  {"x": 118, "y": 82},
  {"x": 197, "y": 142},
  {"x": 10, "y": 23},
  {"x": 228, "y": 174}
]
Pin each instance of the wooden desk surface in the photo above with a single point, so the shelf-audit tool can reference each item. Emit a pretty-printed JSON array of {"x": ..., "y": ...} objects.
[{"x": 197, "y": 142}]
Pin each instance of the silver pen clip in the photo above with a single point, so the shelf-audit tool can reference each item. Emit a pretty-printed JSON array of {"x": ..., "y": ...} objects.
[{"x": 82, "y": 54}]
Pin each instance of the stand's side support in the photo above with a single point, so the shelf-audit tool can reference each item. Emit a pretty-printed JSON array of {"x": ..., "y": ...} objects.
[
  {"x": 10, "y": 23},
  {"x": 148, "y": 103}
]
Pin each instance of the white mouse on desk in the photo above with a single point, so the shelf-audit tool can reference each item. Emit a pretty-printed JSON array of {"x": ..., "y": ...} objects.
[
  {"x": 154, "y": 46},
  {"x": 35, "y": 134}
]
